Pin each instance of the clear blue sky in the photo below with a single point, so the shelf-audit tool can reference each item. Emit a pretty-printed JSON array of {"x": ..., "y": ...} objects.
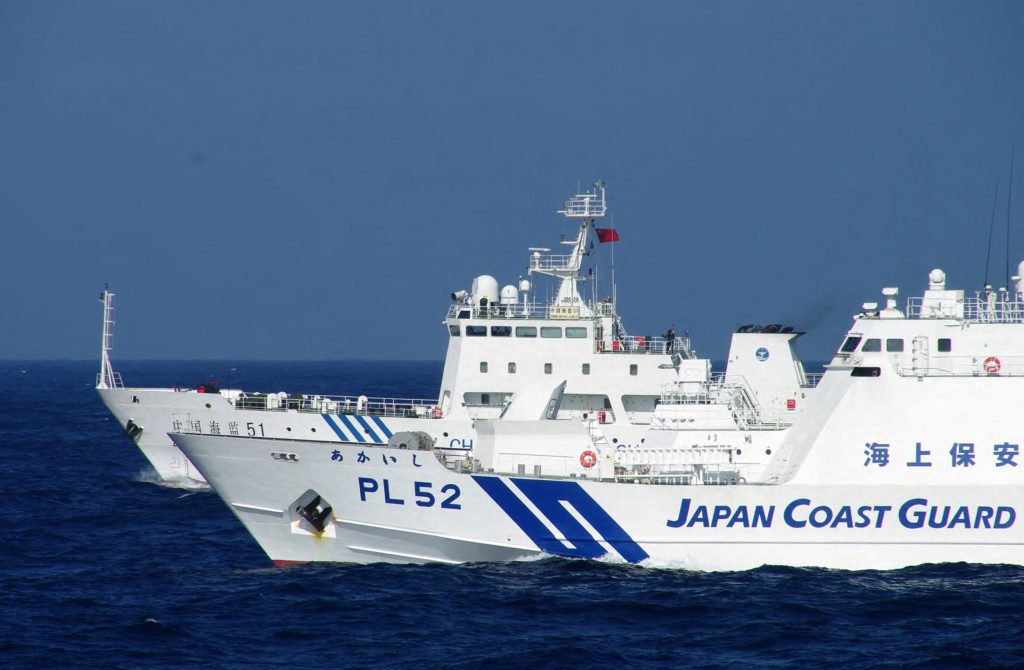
[{"x": 312, "y": 180}]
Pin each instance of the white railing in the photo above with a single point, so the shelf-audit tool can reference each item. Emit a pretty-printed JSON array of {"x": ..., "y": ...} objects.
[
  {"x": 586, "y": 205},
  {"x": 977, "y": 310},
  {"x": 959, "y": 366},
  {"x": 706, "y": 466},
  {"x": 732, "y": 391},
  {"x": 535, "y": 310},
  {"x": 552, "y": 262},
  {"x": 112, "y": 381},
  {"x": 323, "y": 404},
  {"x": 811, "y": 379},
  {"x": 643, "y": 344},
  {"x": 716, "y": 389}
]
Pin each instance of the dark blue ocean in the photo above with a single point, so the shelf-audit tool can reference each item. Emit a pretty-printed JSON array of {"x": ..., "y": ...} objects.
[{"x": 103, "y": 568}]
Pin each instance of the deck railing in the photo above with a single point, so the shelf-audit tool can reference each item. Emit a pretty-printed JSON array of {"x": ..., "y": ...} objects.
[
  {"x": 976, "y": 310},
  {"x": 534, "y": 310},
  {"x": 958, "y": 366},
  {"x": 323, "y": 404}
]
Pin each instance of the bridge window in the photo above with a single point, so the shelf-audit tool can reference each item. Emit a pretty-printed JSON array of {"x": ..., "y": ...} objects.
[
  {"x": 547, "y": 368},
  {"x": 453, "y": 331},
  {"x": 483, "y": 366},
  {"x": 586, "y": 368},
  {"x": 850, "y": 345},
  {"x": 945, "y": 344},
  {"x": 632, "y": 369},
  {"x": 550, "y": 331},
  {"x": 872, "y": 344},
  {"x": 526, "y": 331},
  {"x": 501, "y": 331},
  {"x": 576, "y": 333},
  {"x": 894, "y": 346},
  {"x": 476, "y": 331},
  {"x": 511, "y": 368}
]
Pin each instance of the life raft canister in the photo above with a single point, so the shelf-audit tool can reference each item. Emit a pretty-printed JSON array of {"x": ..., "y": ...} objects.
[
  {"x": 588, "y": 459},
  {"x": 992, "y": 366}
]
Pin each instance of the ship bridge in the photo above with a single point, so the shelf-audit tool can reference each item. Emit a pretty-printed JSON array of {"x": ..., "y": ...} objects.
[
  {"x": 943, "y": 333},
  {"x": 512, "y": 355}
]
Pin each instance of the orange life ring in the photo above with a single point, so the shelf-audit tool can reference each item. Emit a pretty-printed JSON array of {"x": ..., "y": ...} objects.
[
  {"x": 436, "y": 412},
  {"x": 992, "y": 366},
  {"x": 588, "y": 459}
]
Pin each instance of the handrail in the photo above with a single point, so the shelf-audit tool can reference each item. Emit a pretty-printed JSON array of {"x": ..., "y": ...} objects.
[
  {"x": 533, "y": 310},
  {"x": 114, "y": 381},
  {"x": 958, "y": 366},
  {"x": 646, "y": 344},
  {"x": 812, "y": 379},
  {"x": 976, "y": 310},
  {"x": 325, "y": 404}
]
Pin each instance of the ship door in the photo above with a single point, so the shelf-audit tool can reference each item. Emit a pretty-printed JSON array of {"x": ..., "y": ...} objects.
[{"x": 919, "y": 355}]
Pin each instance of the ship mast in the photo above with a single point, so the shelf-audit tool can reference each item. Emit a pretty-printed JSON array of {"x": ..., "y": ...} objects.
[
  {"x": 107, "y": 378},
  {"x": 586, "y": 207}
]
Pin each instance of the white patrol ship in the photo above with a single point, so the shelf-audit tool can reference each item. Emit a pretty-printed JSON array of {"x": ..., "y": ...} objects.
[
  {"x": 510, "y": 358},
  {"x": 909, "y": 454}
]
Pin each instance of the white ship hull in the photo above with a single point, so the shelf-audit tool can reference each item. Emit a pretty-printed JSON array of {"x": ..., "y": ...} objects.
[
  {"x": 150, "y": 410},
  {"x": 404, "y": 506},
  {"x": 160, "y": 411}
]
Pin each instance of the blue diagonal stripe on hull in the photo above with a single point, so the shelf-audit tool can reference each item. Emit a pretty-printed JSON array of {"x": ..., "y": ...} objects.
[
  {"x": 334, "y": 427},
  {"x": 550, "y": 498},
  {"x": 352, "y": 429},
  {"x": 377, "y": 420},
  {"x": 364, "y": 424}
]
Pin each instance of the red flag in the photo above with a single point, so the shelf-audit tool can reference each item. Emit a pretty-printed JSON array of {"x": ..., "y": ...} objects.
[{"x": 606, "y": 235}]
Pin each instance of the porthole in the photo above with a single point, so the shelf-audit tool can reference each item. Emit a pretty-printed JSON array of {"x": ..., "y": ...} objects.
[
  {"x": 313, "y": 429},
  {"x": 289, "y": 429},
  {"x": 768, "y": 451}
]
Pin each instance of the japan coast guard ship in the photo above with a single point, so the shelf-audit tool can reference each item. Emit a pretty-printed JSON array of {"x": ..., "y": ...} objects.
[
  {"x": 510, "y": 359},
  {"x": 908, "y": 454}
]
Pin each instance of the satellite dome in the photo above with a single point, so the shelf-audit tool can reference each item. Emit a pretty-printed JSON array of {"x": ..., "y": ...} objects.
[{"x": 485, "y": 287}]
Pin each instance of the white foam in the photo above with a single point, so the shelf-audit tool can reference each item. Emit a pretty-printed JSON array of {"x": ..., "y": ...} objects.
[{"x": 150, "y": 477}]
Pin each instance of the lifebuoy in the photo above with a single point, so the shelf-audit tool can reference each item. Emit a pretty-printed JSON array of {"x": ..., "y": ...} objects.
[
  {"x": 992, "y": 366},
  {"x": 588, "y": 459},
  {"x": 436, "y": 412},
  {"x": 639, "y": 341}
]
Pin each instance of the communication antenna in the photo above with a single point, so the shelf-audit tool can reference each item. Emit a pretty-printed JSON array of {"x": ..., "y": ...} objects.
[
  {"x": 991, "y": 227},
  {"x": 1009, "y": 200},
  {"x": 615, "y": 296}
]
